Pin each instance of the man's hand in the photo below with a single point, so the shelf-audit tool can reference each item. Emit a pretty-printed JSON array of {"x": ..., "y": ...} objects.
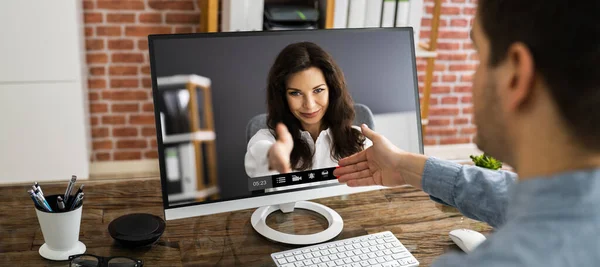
[
  {"x": 380, "y": 164},
  {"x": 280, "y": 151}
]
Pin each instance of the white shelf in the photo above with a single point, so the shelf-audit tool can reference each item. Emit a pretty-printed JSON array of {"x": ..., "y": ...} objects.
[
  {"x": 188, "y": 137},
  {"x": 196, "y": 194},
  {"x": 422, "y": 53},
  {"x": 454, "y": 152},
  {"x": 183, "y": 79}
]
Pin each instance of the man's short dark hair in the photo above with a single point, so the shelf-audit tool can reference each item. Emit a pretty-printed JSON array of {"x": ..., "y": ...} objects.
[{"x": 564, "y": 39}]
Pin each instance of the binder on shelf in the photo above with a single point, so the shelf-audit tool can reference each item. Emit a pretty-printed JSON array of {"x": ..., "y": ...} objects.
[
  {"x": 180, "y": 161},
  {"x": 373, "y": 13},
  {"x": 255, "y": 16},
  {"x": 388, "y": 14},
  {"x": 172, "y": 164},
  {"x": 242, "y": 15},
  {"x": 356, "y": 13},
  {"x": 402, "y": 13},
  {"x": 188, "y": 163},
  {"x": 340, "y": 14}
]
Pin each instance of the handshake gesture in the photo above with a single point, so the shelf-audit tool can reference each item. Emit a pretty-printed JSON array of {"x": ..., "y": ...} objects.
[{"x": 380, "y": 164}]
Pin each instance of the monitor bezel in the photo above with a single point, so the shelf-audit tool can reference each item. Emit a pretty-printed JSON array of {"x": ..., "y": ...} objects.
[{"x": 227, "y": 205}]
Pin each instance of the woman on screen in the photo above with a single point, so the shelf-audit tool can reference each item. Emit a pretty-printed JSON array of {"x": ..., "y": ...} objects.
[{"x": 310, "y": 115}]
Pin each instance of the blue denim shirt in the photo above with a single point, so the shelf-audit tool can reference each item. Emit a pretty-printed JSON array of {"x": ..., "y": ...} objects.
[{"x": 548, "y": 221}]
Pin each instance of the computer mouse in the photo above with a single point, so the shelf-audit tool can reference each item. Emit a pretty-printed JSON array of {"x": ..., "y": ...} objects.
[{"x": 466, "y": 239}]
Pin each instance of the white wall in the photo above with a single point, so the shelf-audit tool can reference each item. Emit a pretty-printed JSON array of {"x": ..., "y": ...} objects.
[
  {"x": 43, "y": 94},
  {"x": 400, "y": 128}
]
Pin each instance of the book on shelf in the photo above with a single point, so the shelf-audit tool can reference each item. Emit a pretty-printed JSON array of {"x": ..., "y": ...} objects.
[
  {"x": 373, "y": 13},
  {"x": 356, "y": 13},
  {"x": 340, "y": 14},
  {"x": 402, "y": 13},
  {"x": 242, "y": 15}
]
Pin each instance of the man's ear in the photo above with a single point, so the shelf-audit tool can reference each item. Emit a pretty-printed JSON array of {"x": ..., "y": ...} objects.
[{"x": 521, "y": 75}]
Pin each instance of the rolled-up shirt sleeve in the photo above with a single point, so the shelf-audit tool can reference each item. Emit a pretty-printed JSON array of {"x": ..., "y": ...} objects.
[{"x": 478, "y": 193}]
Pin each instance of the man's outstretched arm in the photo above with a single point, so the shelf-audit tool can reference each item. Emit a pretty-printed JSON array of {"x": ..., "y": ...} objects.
[{"x": 478, "y": 193}]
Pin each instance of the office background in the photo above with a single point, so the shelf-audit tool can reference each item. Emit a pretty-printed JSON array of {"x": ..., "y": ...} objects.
[
  {"x": 119, "y": 80},
  {"x": 115, "y": 95}
]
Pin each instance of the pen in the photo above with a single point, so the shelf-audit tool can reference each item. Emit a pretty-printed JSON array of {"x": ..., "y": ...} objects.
[
  {"x": 69, "y": 188},
  {"x": 76, "y": 201},
  {"x": 42, "y": 201},
  {"x": 60, "y": 203},
  {"x": 37, "y": 191},
  {"x": 37, "y": 186},
  {"x": 79, "y": 191},
  {"x": 35, "y": 201},
  {"x": 80, "y": 201}
]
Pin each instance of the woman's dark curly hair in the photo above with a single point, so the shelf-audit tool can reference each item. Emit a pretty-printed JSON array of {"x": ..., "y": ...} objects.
[{"x": 339, "y": 116}]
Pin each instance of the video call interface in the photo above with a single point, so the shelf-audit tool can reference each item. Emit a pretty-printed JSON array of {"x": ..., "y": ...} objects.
[{"x": 213, "y": 93}]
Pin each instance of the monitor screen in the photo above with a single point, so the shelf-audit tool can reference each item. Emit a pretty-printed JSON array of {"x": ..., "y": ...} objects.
[{"x": 219, "y": 97}]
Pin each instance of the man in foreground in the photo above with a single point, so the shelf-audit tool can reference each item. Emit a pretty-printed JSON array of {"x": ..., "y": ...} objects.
[{"x": 536, "y": 96}]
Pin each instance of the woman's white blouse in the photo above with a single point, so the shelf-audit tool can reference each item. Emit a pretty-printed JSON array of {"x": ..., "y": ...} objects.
[{"x": 256, "y": 161}]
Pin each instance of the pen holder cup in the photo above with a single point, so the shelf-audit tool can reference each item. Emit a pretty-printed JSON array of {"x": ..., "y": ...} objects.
[{"x": 60, "y": 230}]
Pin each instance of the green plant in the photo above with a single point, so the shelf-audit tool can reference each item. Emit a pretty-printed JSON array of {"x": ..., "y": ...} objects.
[{"x": 486, "y": 161}]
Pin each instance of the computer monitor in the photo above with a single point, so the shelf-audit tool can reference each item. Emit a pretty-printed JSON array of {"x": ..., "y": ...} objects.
[{"x": 219, "y": 96}]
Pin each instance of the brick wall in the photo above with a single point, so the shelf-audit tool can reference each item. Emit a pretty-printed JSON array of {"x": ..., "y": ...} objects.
[
  {"x": 119, "y": 82},
  {"x": 450, "y": 109}
]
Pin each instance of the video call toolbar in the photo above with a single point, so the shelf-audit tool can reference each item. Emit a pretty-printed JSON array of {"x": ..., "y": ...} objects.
[{"x": 287, "y": 179}]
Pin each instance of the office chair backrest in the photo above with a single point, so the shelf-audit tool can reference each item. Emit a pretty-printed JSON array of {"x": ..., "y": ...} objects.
[{"x": 362, "y": 115}]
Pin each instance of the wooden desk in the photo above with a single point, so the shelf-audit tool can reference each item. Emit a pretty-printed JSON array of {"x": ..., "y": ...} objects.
[{"x": 226, "y": 239}]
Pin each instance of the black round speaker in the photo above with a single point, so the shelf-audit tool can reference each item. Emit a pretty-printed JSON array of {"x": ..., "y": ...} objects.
[{"x": 137, "y": 229}]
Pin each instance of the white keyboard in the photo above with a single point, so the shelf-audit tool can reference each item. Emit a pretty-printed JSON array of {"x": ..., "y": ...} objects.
[{"x": 380, "y": 250}]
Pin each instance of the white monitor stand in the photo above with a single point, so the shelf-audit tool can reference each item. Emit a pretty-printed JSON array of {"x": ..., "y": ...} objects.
[{"x": 259, "y": 222}]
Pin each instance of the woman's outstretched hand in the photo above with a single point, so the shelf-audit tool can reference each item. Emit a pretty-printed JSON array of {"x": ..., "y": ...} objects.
[{"x": 280, "y": 151}]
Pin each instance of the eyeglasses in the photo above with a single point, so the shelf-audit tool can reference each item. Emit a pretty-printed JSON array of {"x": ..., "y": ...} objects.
[{"x": 88, "y": 260}]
